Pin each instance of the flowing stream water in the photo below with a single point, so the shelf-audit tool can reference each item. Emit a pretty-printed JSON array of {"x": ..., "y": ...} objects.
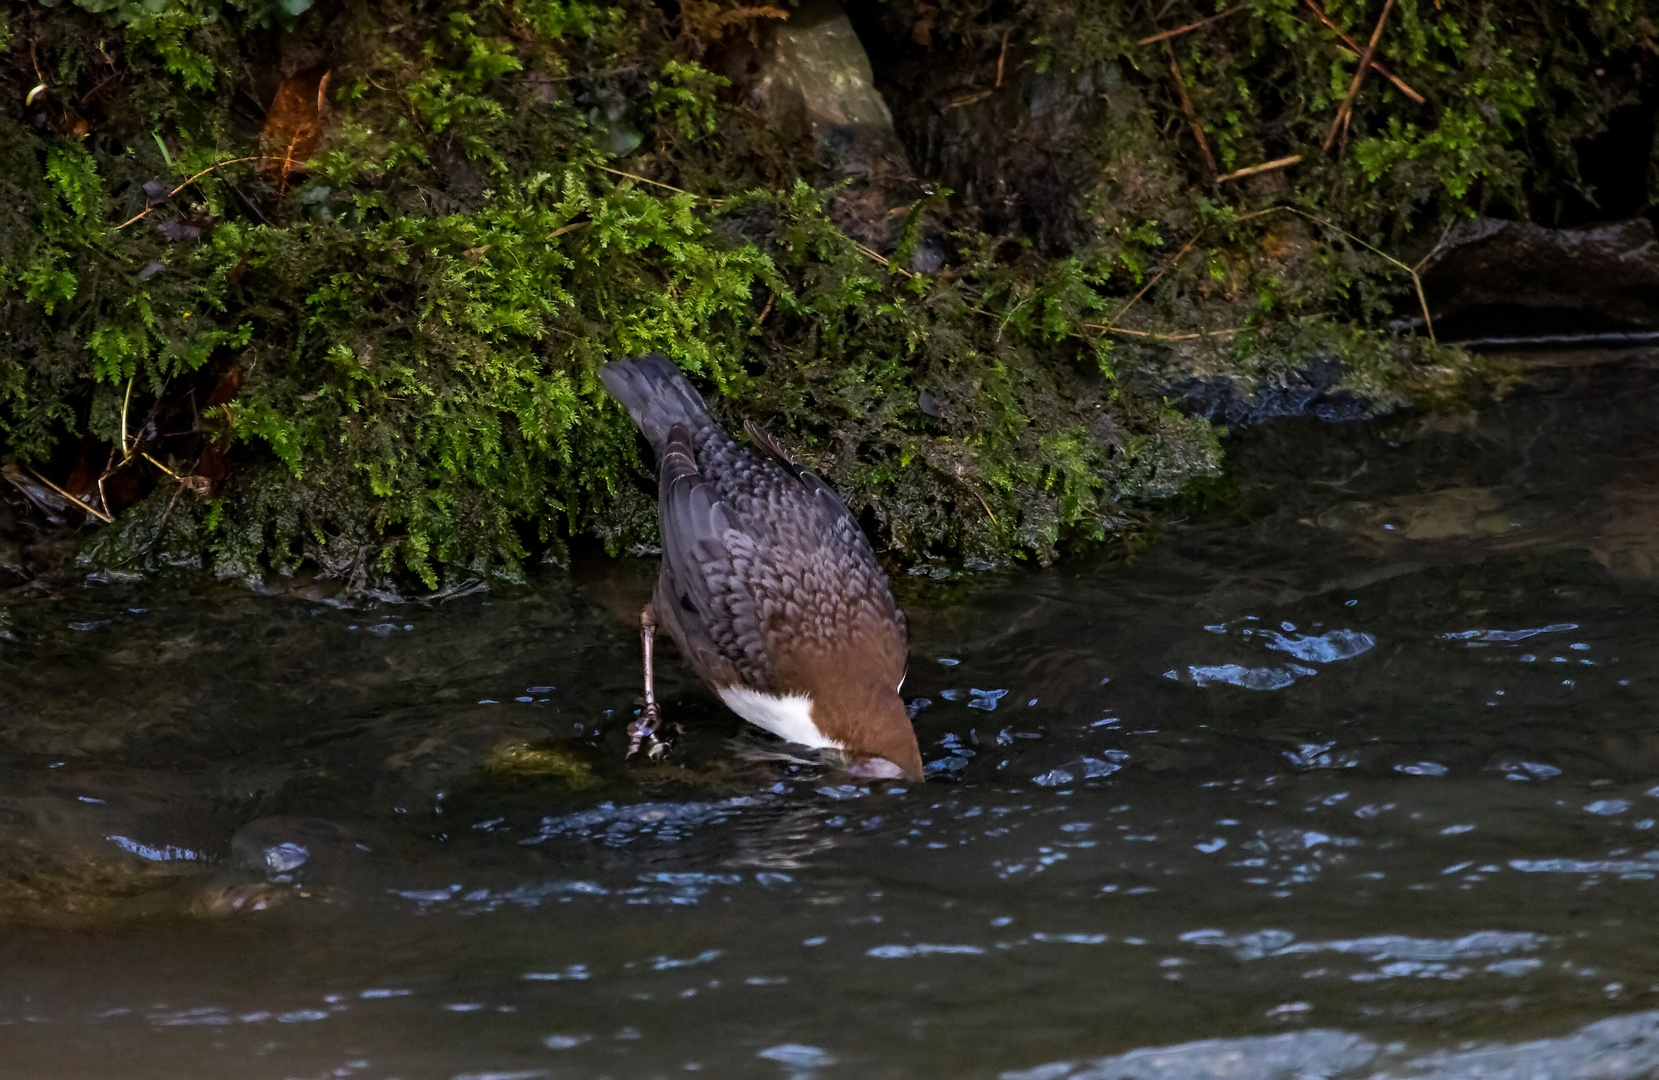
[{"x": 1354, "y": 774}]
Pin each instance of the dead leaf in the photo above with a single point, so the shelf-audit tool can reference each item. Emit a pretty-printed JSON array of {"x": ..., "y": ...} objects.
[{"x": 293, "y": 132}]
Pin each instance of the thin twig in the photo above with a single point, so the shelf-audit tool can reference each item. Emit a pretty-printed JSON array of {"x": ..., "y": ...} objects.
[
  {"x": 146, "y": 456},
  {"x": 1447, "y": 231},
  {"x": 1157, "y": 336},
  {"x": 146, "y": 211},
  {"x": 656, "y": 183},
  {"x": 1411, "y": 271},
  {"x": 1376, "y": 65},
  {"x": 1200, "y": 24},
  {"x": 126, "y": 447},
  {"x": 982, "y": 502},
  {"x": 88, "y": 507},
  {"x": 1266, "y": 166},
  {"x": 1111, "y": 326},
  {"x": 767, "y": 310},
  {"x": 1191, "y": 114},
  {"x": 871, "y": 253},
  {"x": 1346, "y": 110},
  {"x": 109, "y": 467},
  {"x": 1111, "y": 323},
  {"x": 1002, "y": 56},
  {"x": 971, "y": 99}
]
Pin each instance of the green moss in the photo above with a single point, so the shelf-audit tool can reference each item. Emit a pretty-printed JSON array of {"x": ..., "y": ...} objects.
[
  {"x": 521, "y": 761},
  {"x": 383, "y": 361}
]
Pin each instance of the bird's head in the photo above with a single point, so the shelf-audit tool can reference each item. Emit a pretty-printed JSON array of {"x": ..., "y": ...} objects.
[{"x": 867, "y": 719}]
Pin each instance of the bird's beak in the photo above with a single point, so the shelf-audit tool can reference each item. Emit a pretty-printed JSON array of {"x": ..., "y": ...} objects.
[{"x": 876, "y": 768}]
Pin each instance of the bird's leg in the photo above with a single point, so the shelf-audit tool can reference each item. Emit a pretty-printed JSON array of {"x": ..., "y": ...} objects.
[{"x": 644, "y": 729}]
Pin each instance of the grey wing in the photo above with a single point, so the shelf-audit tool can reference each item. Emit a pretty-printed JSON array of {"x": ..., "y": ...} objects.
[
  {"x": 713, "y": 608},
  {"x": 834, "y": 519}
]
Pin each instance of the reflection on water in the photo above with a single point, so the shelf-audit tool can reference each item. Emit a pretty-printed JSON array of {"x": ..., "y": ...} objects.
[{"x": 1358, "y": 778}]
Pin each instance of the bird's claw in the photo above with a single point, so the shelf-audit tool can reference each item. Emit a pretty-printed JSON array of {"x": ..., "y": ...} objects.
[{"x": 643, "y": 732}]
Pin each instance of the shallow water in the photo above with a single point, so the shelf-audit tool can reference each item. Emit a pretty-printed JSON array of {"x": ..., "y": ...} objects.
[{"x": 1354, "y": 776}]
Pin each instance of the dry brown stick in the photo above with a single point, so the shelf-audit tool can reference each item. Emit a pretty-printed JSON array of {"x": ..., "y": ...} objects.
[
  {"x": 88, "y": 507},
  {"x": 146, "y": 211},
  {"x": 1112, "y": 322},
  {"x": 1158, "y": 336},
  {"x": 1266, "y": 166},
  {"x": 656, "y": 183},
  {"x": 1435, "y": 250},
  {"x": 970, "y": 99},
  {"x": 876, "y": 256},
  {"x": 1343, "y": 113},
  {"x": 1191, "y": 114},
  {"x": 1199, "y": 25},
  {"x": 1002, "y": 56},
  {"x": 1411, "y": 271},
  {"x": 1354, "y": 47}
]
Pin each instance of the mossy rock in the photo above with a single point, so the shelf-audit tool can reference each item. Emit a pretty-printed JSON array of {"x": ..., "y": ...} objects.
[
  {"x": 525, "y": 761},
  {"x": 286, "y": 283}
]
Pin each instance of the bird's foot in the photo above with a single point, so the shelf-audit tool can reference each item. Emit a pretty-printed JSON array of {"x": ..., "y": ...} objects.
[{"x": 643, "y": 732}]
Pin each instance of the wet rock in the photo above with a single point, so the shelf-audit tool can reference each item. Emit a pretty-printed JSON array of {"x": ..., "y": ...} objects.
[
  {"x": 1602, "y": 277},
  {"x": 1627, "y": 540},
  {"x": 225, "y": 898},
  {"x": 811, "y": 77},
  {"x": 1015, "y": 144},
  {"x": 1447, "y": 514},
  {"x": 523, "y": 761},
  {"x": 1239, "y": 400},
  {"x": 279, "y": 848}
]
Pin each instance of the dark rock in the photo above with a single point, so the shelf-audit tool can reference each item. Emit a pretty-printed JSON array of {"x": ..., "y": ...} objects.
[
  {"x": 1241, "y": 401},
  {"x": 1602, "y": 278},
  {"x": 811, "y": 77}
]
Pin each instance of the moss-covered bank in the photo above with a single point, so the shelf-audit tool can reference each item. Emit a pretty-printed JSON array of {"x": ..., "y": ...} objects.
[{"x": 289, "y": 280}]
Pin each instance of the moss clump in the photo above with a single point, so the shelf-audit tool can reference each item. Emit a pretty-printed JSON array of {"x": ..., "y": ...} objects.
[
  {"x": 522, "y": 761},
  {"x": 284, "y": 282}
]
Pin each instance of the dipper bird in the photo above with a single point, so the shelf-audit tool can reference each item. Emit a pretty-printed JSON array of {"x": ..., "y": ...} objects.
[{"x": 768, "y": 586}]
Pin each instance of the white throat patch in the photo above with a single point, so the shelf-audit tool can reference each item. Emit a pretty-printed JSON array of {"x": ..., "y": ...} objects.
[{"x": 788, "y": 716}]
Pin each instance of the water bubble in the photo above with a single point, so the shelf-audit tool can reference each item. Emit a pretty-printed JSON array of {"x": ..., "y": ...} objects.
[
  {"x": 1243, "y": 677},
  {"x": 798, "y": 1055},
  {"x": 1525, "y": 770},
  {"x": 284, "y": 857},
  {"x": 1343, "y": 644},
  {"x": 564, "y": 1042},
  {"x": 905, "y": 952}
]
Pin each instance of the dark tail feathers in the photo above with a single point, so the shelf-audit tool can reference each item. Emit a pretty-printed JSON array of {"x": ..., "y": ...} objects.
[{"x": 656, "y": 394}]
